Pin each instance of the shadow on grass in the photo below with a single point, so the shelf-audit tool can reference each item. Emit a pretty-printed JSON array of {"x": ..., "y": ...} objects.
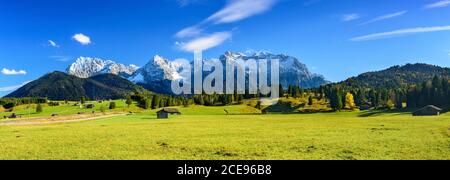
[
  {"x": 372, "y": 113},
  {"x": 286, "y": 108}
]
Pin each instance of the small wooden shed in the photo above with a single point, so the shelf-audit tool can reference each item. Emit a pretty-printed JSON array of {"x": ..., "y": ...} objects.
[
  {"x": 429, "y": 110},
  {"x": 89, "y": 106},
  {"x": 165, "y": 112},
  {"x": 13, "y": 116}
]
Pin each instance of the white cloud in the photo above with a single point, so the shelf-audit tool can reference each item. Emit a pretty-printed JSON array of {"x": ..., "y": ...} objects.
[
  {"x": 384, "y": 17},
  {"x": 13, "y": 72},
  {"x": 350, "y": 17},
  {"x": 12, "y": 88},
  {"x": 401, "y": 32},
  {"x": 189, "y": 32},
  {"x": 438, "y": 4},
  {"x": 81, "y": 38},
  {"x": 237, "y": 10},
  {"x": 234, "y": 10},
  {"x": 206, "y": 42},
  {"x": 53, "y": 44}
]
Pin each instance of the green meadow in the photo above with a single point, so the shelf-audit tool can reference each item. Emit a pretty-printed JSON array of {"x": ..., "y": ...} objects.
[{"x": 244, "y": 133}]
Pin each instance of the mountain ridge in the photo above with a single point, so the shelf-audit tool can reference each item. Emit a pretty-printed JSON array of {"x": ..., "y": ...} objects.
[
  {"x": 85, "y": 67},
  {"x": 399, "y": 76},
  {"x": 61, "y": 86},
  {"x": 157, "y": 74}
]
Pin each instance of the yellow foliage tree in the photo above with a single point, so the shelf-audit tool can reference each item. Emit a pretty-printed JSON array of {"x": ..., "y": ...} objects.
[{"x": 349, "y": 101}]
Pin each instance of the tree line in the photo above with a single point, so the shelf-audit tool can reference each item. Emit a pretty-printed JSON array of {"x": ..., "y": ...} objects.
[
  {"x": 434, "y": 92},
  {"x": 339, "y": 96}
]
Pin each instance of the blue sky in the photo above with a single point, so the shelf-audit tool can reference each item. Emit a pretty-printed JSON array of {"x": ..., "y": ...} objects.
[{"x": 335, "y": 38}]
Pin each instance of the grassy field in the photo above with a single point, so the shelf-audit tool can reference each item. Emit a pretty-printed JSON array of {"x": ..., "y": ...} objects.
[
  {"x": 66, "y": 109},
  {"x": 208, "y": 133}
]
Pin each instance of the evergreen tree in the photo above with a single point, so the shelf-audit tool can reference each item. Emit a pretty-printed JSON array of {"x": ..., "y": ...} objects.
[
  {"x": 102, "y": 109},
  {"x": 258, "y": 105},
  {"x": 161, "y": 103},
  {"x": 112, "y": 105},
  {"x": 83, "y": 99},
  {"x": 411, "y": 98},
  {"x": 281, "y": 91},
  {"x": 336, "y": 99},
  {"x": 399, "y": 99},
  {"x": 39, "y": 108},
  {"x": 155, "y": 102},
  {"x": 145, "y": 103},
  {"x": 310, "y": 101},
  {"x": 129, "y": 101},
  {"x": 201, "y": 101}
]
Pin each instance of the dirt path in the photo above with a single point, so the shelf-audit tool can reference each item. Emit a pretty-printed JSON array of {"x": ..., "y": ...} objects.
[{"x": 44, "y": 121}]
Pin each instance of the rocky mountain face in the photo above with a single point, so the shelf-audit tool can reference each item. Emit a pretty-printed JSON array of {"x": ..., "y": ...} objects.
[
  {"x": 292, "y": 71},
  {"x": 156, "y": 75},
  {"x": 159, "y": 72},
  {"x": 85, "y": 67}
]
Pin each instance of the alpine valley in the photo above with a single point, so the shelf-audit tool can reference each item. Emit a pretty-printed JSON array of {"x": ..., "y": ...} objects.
[{"x": 96, "y": 78}]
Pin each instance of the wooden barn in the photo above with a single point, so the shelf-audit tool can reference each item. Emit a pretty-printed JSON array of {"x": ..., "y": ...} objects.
[
  {"x": 165, "y": 112},
  {"x": 89, "y": 106},
  {"x": 429, "y": 110}
]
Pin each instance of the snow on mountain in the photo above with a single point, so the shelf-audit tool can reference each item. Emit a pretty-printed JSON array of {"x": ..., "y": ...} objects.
[
  {"x": 157, "y": 75},
  {"x": 85, "y": 67},
  {"x": 292, "y": 71},
  {"x": 159, "y": 72},
  {"x": 157, "y": 69}
]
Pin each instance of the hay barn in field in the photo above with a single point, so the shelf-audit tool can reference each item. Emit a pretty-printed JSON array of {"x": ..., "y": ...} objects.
[
  {"x": 164, "y": 113},
  {"x": 89, "y": 106},
  {"x": 429, "y": 110}
]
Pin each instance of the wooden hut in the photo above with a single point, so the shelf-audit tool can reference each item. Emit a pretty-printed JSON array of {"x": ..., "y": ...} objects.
[
  {"x": 429, "y": 110},
  {"x": 165, "y": 112},
  {"x": 89, "y": 106}
]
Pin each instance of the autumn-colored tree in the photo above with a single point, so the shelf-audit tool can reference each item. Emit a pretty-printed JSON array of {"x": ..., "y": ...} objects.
[{"x": 349, "y": 101}]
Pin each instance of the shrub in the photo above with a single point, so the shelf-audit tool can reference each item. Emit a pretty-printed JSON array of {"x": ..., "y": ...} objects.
[
  {"x": 82, "y": 100},
  {"x": 39, "y": 108},
  {"x": 102, "y": 109},
  {"x": 258, "y": 105},
  {"x": 145, "y": 103},
  {"x": 53, "y": 103},
  {"x": 9, "y": 105},
  {"x": 112, "y": 105},
  {"x": 129, "y": 101}
]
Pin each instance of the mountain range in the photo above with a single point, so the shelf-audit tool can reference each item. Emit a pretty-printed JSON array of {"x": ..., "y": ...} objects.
[
  {"x": 159, "y": 72},
  {"x": 105, "y": 79},
  {"x": 85, "y": 67}
]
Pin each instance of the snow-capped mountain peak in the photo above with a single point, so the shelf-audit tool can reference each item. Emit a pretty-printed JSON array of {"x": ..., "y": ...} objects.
[
  {"x": 85, "y": 67},
  {"x": 159, "y": 72},
  {"x": 158, "y": 69},
  {"x": 292, "y": 70}
]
